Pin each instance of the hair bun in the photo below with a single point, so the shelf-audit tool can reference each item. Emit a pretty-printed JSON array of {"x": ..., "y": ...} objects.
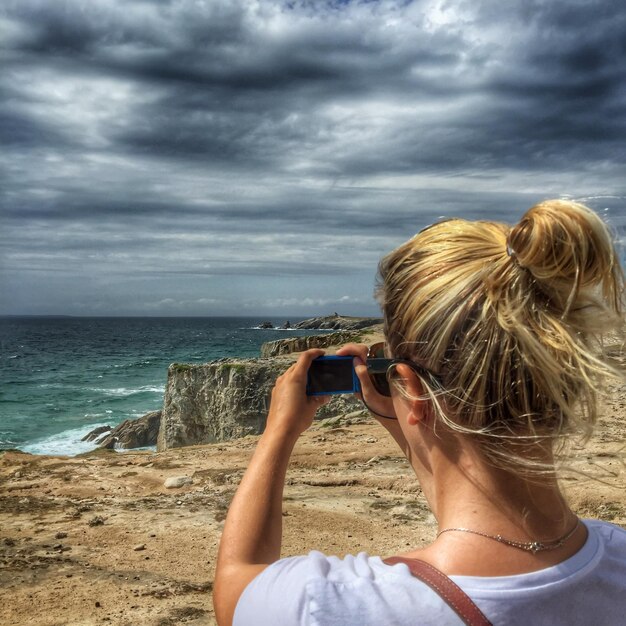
[{"x": 567, "y": 248}]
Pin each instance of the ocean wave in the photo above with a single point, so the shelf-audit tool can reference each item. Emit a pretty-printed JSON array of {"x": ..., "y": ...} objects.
[
  {"x": 69, "y": 443},
  {"x": 126, "y": 391},
  {"x": 287, "y": 330},
  {"x": 133, "y": 364},
  {"x": 66, "y": 443},
  {"x": 292, "y": 330},
  {"x": 107, "y": 391}
]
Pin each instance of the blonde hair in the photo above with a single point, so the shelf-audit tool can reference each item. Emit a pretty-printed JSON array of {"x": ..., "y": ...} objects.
[{"x": 509, "y": 318}]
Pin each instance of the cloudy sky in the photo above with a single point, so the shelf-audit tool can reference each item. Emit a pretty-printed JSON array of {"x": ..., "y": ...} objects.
[{"x": 207, "y": 157}]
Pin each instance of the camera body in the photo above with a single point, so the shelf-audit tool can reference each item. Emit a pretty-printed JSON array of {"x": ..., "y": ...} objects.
[{"x": 332, "y": 375}]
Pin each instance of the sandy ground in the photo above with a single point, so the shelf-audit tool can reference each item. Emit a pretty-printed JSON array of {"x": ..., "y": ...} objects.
[{"x": 98, "y": 539}]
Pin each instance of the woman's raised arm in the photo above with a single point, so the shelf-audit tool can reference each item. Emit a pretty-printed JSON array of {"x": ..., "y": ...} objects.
[{"x": 253, "y": 529}]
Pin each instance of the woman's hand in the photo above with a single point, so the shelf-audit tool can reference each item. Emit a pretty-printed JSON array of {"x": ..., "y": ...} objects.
[
  {"x": 291, "y": 410},
  {"x": 379, "y": 405},
  {"x": 377, "y": 402}
]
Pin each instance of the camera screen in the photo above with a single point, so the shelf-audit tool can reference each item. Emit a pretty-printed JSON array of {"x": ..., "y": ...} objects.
[{"x": 330, "y": 375}]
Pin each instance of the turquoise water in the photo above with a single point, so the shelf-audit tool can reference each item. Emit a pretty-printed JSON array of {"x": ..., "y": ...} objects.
[{"x": 61, "y": 377}]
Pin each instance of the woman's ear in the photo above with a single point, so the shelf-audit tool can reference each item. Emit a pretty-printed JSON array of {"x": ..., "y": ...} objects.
[{"x": 418, "y": 409}]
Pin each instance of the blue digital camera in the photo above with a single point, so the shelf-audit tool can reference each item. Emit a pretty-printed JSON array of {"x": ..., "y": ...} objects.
[{"x": 332, "y": 375}]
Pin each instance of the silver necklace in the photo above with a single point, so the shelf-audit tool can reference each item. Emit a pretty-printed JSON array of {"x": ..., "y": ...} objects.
[{"x": 528, "y": 546}]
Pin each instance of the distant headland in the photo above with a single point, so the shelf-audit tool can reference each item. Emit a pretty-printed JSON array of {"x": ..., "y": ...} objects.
[{"x": 327, "y": 322}]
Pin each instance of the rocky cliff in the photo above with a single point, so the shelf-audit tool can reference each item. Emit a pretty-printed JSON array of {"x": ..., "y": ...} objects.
[
  {"x": 226, "y": 399},
  {"x": 299, "y": 344},
  {"x": 216, "y": 401},
  {"x": 338, "y": 322}
]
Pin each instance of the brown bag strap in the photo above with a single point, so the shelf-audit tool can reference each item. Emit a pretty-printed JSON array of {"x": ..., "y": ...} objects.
[{"x": 449, "y": 591}]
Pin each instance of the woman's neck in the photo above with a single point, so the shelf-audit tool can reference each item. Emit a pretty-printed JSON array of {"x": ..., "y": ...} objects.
[
  {"x": 466, "y": 491},
  {"x": 499, "y": 501},
  {"x": 464, "y": 486}
]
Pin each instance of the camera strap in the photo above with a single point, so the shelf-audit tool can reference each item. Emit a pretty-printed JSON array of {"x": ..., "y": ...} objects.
[{"x": 445, "y": 588}]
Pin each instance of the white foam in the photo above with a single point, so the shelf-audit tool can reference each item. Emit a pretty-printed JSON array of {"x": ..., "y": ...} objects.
[
  {"x": 154, "y": 388},
  {"x": 289, "y": 330},
  {"x": 125, "y": 391},
  {"x": 66, "y": 443},
  {"x": 135, "y": 363}
]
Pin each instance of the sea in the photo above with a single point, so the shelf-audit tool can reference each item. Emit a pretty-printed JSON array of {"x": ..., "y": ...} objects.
[{"x": 61, "y": 377}]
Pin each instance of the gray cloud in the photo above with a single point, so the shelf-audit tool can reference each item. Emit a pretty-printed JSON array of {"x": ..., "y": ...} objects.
[{"x": 270, "y": 152}]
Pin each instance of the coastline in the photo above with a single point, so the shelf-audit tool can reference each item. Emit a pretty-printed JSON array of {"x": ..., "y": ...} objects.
[{"x": 64, "y": 376}]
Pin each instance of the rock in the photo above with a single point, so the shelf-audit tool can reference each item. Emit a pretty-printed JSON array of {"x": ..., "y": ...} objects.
[
  {"x": 299, "y": 344},
  {"x": 226, "y": 399},
  {"x": 60, "y": 535},
  {"x": 286, "y": 325},
  {"x": 98, "y": 520},
  {"x": 174, "y": 482},
  {"x": 138, "y": 433},
  {"x": 266, "y": 325},
  {"x": 140, "y": 547},
  {"x": 331, "y": 422},
  {"x": 339, "y": 322},
  {"x": 341, "y": 406},
  {"x": 216, "y": 401},
  {"x": 95, "y": 433}
]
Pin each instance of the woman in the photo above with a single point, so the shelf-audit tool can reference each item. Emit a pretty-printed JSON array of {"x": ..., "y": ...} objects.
[{"x": 491, "y": 334}]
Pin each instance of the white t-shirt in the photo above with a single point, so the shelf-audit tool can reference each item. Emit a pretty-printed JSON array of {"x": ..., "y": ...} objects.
[{"x": 320, "y": 590}]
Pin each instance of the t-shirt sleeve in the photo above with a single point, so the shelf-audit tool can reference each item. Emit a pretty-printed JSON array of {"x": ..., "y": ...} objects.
[
  {"x": 277, "y": 596},
  {"x": 321, "y": 590}
]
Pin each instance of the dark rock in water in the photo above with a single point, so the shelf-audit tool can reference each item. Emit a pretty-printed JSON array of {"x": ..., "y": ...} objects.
[
  {"x": 286, "y": 325},
  {"x": 138, "y": 433},
  {"x": 266, "y": 325},
  {"x": 338, "y": 322},
  {"x": 95, "y": 433}
]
